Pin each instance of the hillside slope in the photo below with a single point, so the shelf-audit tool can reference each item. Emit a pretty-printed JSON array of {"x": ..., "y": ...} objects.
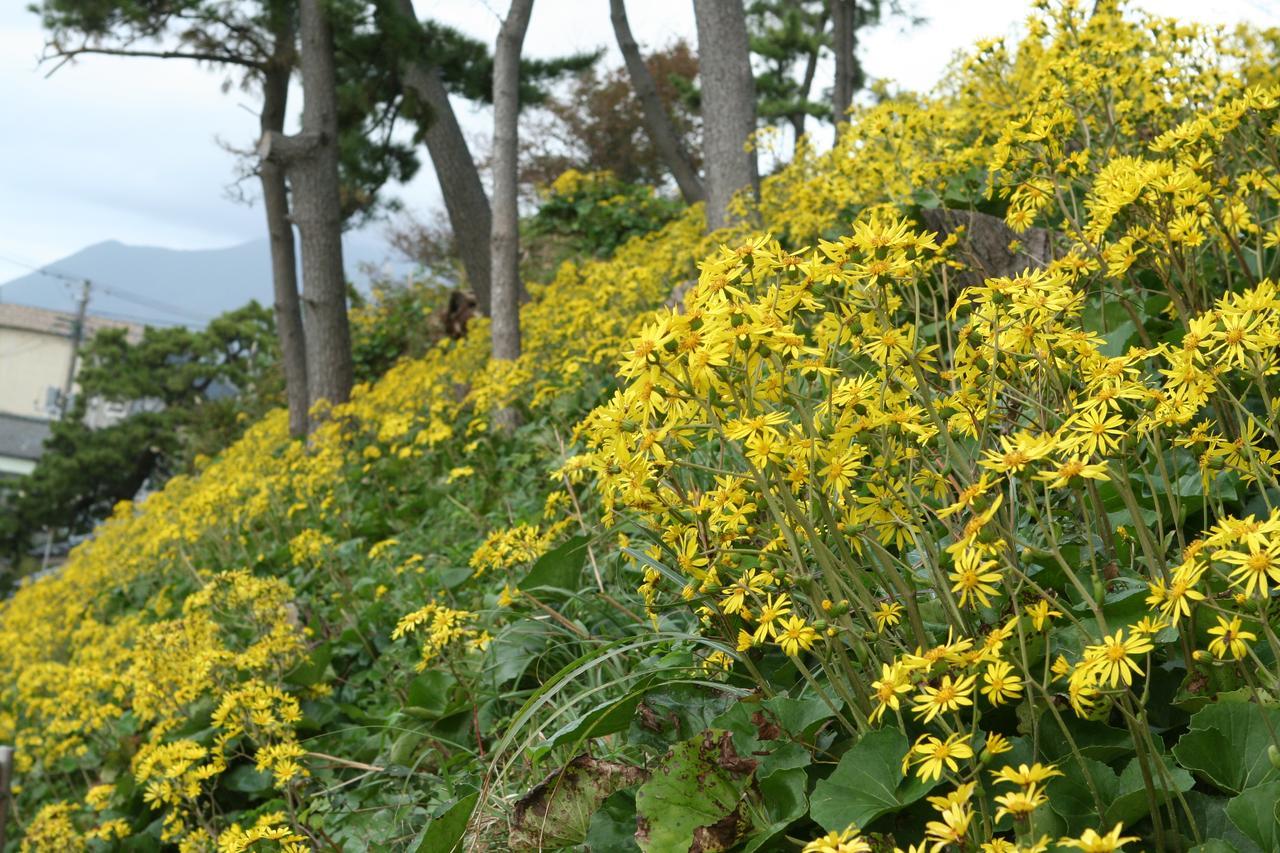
[{"x": 854, "y": 526}]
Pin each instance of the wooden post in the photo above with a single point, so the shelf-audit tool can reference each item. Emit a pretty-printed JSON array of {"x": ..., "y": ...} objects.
[{"x": 6, "y": 773}]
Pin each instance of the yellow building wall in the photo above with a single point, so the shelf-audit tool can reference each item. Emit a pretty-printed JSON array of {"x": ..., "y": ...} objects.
[{"x": 30, "y": 364}]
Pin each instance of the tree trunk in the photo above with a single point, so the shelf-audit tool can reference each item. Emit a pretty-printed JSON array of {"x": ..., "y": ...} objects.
[
  {"x": 844, "y": 44},
  {"x": 505, "y": 238},
  {"x": 284, "y": 264},
  {"x": 313, "y": 173},
  {"x": 728, "y": 104},
  {"x": 464, "y": 195},
  {"x": 656, "y": 120}
]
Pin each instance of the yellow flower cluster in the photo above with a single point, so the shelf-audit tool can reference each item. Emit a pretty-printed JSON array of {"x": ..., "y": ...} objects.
[{"x": 440, "y": 627}]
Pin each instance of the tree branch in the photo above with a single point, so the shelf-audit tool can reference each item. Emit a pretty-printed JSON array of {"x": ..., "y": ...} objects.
[
  {"x": 283, "y": 149},
  {"x": 66, "y": 55}
]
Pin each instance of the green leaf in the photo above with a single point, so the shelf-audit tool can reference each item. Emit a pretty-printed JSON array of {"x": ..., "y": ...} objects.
[
  {"x": 784, "y": 801},
  {"x": 404, "y": 748},
  {"x": 557, "y": 812},
  {"x": 867, "y": 783},
  {"x": 1254, "y": 813},
  {"x": 1131, "y": 801},
  {"x": 783, "y": 794},
  {"x": 1092, "y": 738},
  {"x": 1214, "y": 845},
  {"x": 786, "y": 756},
  {"x": 698, "y": 784},
  {"x": 1072, "y": 798},
  {"x": 1227, "y": 745},
  {"x": 561, "y": 567},
  {"x": 311, "y": 670},
  {"x": 444, "y": 833},
  {"x": 1211, "y": 821},
  {"x": 796, "y": 715},
  {"x": 430, "y": 691},
  {"x": 613, "y": 826},
  {"x": 677, "y": 712},
  {"x": 743, "y": 720},
  {"x": 246, "y": 779},
  {"x": 606, "y": 719}
]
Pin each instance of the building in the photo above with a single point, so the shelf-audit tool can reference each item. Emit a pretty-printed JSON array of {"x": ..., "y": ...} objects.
[{"x": 36, "y": 353}]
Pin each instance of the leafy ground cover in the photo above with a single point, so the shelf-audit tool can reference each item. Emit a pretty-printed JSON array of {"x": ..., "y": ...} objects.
[{"x": 861, "y": 547}]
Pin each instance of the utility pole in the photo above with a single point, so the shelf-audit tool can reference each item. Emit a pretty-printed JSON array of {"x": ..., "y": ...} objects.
[{"x": 77, "y": 335}]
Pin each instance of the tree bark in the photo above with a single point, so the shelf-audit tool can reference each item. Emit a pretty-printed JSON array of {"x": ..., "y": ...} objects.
[
  {"x": 656, "y": 120},
  {"x": 844, "y": 44},
  {"x": 312, "y": 162},
  {"x": 504, "y": 236},
  {"x": 728, "y": 104},
  {"x": 284, "y": 264},
  {"x": 464, "y": 195}
]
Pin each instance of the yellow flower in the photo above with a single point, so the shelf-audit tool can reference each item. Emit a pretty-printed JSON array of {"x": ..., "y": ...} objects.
[
  {"x": 1017, "y": 452},
  {"x": 773, "y": 609},
  {"x": 1092, "y": 842},
  {"x": 967, "y": 496},
  {"x": 959, "y": 795},
  {"x": 1175, "y": 600},
  {"x": 1040, "y": 613},
  {"x": 1072, "y": 469},
  {"x": 893, "y": 680},
  {"x": 952, "y": 829},
  {"x": 1230, "y": 639},
  {"x": 1002, "y": 683},
  {"x": 752, "y": 582},
  {"x": 1025, "y": 775},
  {"x": 934, "y": 755},
  {"x": 840, "y": 469},
  {"x": 846, "y": 840},
  {"x": 795, "y": 636},
  {"x": 973, "y": 578},
  {"x": 947, "y": 696},
  {"x": 1093, "y": 431},
  {"x": 996, "y": 744},
  {"x": 1020, "y": 803},
  {"x": 1111, "y": 661},
  {"x": 1255, "y": 568},
  {"x": 887, "y": 614}
]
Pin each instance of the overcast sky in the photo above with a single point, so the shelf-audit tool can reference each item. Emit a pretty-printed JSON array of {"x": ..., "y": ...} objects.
[{"x": 129, "y": 149}]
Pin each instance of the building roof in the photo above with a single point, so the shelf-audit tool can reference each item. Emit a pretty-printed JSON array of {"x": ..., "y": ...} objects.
[
  {"x": 21, "y": 437},
  {"x": 49, "y": 322}
]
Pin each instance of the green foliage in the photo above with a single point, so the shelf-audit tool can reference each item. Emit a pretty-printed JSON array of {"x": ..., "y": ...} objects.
[
  {"x": 594, "y": 213},
  {"x": 867, "y": 783},
  {"x": 395, "y": 321},
  {"x": 1227, "y": 745},
  {"x": 788, "y": 38},
  {"x": 1256, "y": 814},
  {"x": 697, "y": 786}
]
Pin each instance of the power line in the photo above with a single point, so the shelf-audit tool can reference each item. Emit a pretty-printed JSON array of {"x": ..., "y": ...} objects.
[
  {"x": 135, "y": 318},
  {"x": 148, "y": 302},
  {"x": 118, "y": 292}
]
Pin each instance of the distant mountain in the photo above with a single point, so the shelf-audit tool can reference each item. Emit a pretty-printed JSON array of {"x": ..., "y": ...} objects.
[{"x": 174, "y": 286}]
